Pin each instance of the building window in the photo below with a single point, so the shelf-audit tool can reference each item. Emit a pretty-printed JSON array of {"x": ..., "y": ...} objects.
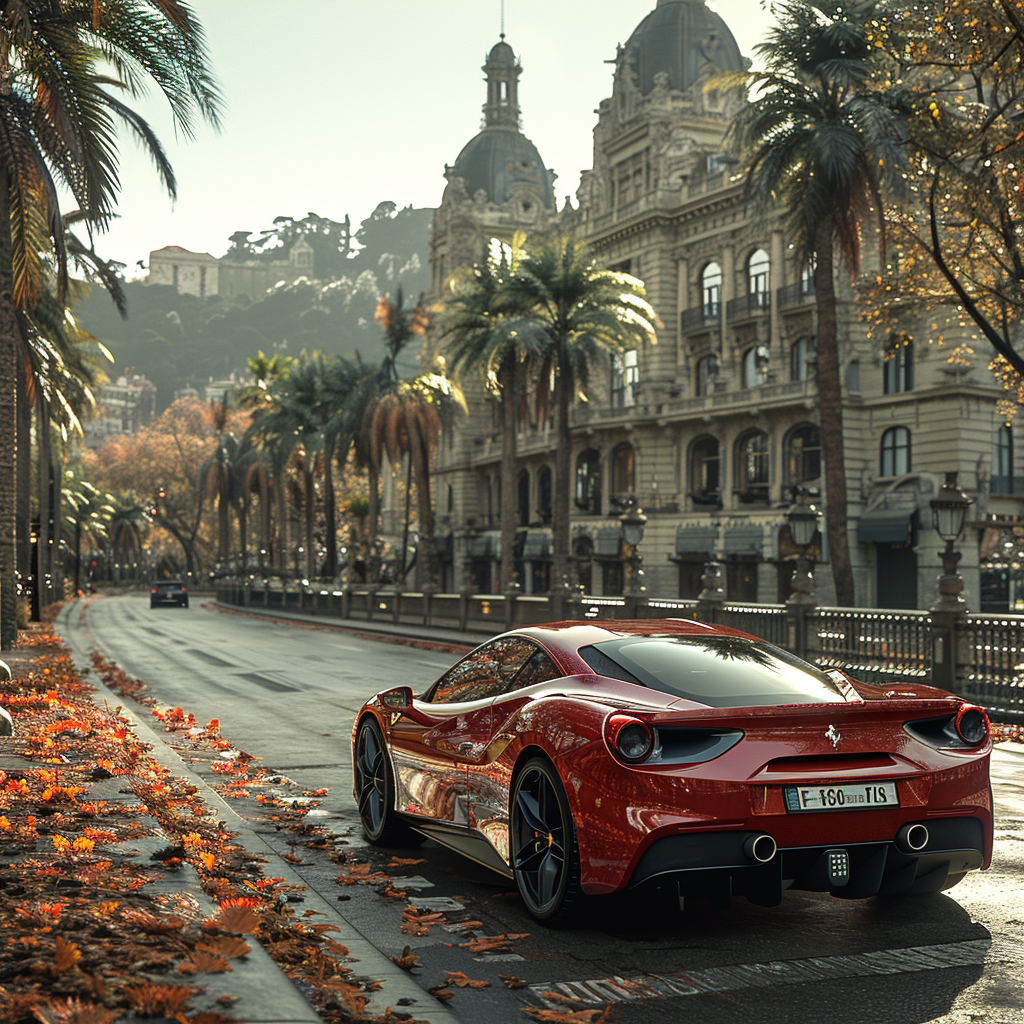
[
  {"x": 544, "y": 494},
  {"x": 707, "y": 373},
  {"x": 803, "y": 454},
  {"x": 895, "y": 452},
  {"x": 755, "y": 366},
  {"x": 625, "y": 377},
  {"x": 898, "y": 370},
  {"x": 711, "y": 290},
  {"x": 1002, "y": 461},
  {"x": 623, "y": 473},
  {"x": 524, "y": 498},
  {"x": 758, "y": 279},
  {"x": 798, "y": 354},
  {"x": 752, "y": 467},
  {"x": 588, "y": 482},
  {"x": 807, "y": 279},
  {"x": 704, "y": 471}
]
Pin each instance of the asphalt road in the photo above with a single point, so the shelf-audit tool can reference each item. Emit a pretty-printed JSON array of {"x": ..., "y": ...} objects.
[{"x": 288, "y": 695}]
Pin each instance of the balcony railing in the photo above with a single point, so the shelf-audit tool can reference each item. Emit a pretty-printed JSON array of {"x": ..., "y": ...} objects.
[
  {"x": 700, "y": 316},
  {"x": 746, "y": 306},
  {"x": 795, "y": 294}
]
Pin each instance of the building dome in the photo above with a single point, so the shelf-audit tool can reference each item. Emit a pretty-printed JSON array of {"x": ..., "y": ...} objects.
[
  {"x": 501, "y": 162},
  {"x": 679, "y": 37},
  {"x": 501, "y": 53}
]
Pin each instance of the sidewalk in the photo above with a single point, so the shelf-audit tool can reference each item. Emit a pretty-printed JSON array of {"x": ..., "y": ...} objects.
[{"x": 126, "y": 894}]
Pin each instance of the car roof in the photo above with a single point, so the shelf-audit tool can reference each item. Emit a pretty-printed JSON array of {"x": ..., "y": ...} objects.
[{"x": 576, "y": 633}]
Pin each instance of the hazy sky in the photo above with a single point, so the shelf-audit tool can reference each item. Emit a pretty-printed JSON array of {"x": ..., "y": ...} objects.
[{"x": 333, "y": 106}]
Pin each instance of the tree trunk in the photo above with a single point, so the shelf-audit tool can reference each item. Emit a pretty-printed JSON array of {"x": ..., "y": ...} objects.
[
  {"x": 223, "y": 516},
  {"x": 830, "y": 404},
  {"x": 400, "y": 574},
  {"x": 24, "y": 470},
  {"x": 510, "y": 382},
  {"x": 44, "y": 559},
  {"x": 563, "y": 479},
  {"x": 281, "y": 548},
  {"x": 307, "y": 476},
  {"x": 330, "y": 515},
  {"x": 373, "y": 525},
  {"x": 419, "y": 456},
  {"x": 8, "y": 427}
]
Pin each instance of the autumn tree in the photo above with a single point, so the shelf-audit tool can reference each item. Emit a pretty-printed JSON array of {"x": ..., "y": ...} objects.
[{"x": 955, "y": 267}]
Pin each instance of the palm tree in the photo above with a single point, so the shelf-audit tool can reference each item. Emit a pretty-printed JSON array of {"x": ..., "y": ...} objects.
[
  {"x": 579, "y": 310},
  {"x": 405, "y": 420},
  {"x": 819, "y": 140},
  {"x": 60, "y": 66},
  {"x": 481, "y": 335}
]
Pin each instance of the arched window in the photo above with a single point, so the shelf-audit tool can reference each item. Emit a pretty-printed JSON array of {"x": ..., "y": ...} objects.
[
  {"x": 705, "y": 488},
  {"x": 758, "y": 279},
  {"x": 898, "y": 369},
  {"x": 895, "y": 452},
  {"x": 625, "y": 377},
  {"x": 623, "y": 473},
  {"x": 707, "y": 372},
  {"x": 711, "y": 290},
  {"x": 752, "y": 466},
  {"x": 798, "y": 354},
  {"x": 544, "y": 494},
  {"x": 524, "y": 498},
  {"x": 803, "y": 454},
  {"x": 1002, "y": 461},
  {"x": 755, "y": 366},
  {"x": 588, "y": 482}
]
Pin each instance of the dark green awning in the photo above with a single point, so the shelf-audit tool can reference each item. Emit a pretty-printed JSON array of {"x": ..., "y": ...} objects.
[
  {"x": 743, "y": 539},
  {"x": 607, "y": 541},
  {"x": 538, "y": 544},
  {"x": 695, "y": 539},
  {"x": 884, "y": 526}
]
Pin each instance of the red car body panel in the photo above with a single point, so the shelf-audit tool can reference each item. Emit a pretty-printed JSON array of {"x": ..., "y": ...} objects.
[{"x": 455, "y": 773}]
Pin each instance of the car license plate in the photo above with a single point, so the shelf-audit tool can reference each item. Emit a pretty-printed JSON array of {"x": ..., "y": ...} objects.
[{"x": 857, "y": 797}]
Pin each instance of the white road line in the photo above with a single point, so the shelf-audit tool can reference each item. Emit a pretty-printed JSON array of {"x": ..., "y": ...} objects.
[{"x": 759, "y": 975}]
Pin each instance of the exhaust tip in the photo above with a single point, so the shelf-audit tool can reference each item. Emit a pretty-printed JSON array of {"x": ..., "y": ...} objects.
[
  {"x": 912, "y": 838},
  {"x": 760, "y": 847}
]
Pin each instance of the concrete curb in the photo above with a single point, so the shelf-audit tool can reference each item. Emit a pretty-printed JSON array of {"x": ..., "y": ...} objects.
[{"x": 372, "y": 964}]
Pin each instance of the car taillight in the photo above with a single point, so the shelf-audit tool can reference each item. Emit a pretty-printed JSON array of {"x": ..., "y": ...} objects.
[
  {"x": 184, "y": 590},
  {"x": 629, "y": 739},
  {"x": 153, "y": 591},
  {"x": 972, "y": 725}
]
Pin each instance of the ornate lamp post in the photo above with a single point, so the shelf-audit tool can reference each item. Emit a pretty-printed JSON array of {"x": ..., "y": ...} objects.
[
  {"x": 632, "y": 523},
  {"x": 803, "y": 518},
  {"x": 949, "y": 510}
]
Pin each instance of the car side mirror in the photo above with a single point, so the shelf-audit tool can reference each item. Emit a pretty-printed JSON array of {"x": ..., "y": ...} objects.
[{"x": 400, "y": 700}]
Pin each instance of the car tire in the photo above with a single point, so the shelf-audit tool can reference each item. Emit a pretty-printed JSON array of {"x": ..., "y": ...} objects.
[
  {"x": 184, "y": 604},
  {"x": 543, "y": 846},
  {"x": 375, "y": 791},
  {"x": 152, "y": 603}
]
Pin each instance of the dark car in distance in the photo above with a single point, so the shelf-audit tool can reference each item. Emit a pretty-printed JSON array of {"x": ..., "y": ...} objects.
[{"x": 168, "y": 592}]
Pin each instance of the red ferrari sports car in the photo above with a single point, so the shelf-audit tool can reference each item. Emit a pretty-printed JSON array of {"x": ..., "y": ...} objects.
[{"x": 585, "y": 757}]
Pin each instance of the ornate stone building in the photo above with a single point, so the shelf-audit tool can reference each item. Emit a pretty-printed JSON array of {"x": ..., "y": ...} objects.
[{"x": 713, "y": 428}]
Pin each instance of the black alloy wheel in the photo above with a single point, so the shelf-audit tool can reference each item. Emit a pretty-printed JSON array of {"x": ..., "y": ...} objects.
[
  {"x": 375, "y": 791},
  {"x": 545, "y": 853}
]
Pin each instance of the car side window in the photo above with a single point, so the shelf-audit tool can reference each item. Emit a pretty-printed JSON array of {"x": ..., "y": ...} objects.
[
  {"x": 539, "y": 669},
  {"x": 488, "y": 671}
]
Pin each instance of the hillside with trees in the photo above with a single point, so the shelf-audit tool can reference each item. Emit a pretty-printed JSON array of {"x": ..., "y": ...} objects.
[{"x": 180, "y": 341}]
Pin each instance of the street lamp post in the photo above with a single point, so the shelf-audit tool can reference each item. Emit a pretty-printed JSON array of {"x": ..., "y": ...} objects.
[
  {"x": 949, "y": 511},
  {"x": 803, "y": 518},
  {"x": 632, "y": 523}
]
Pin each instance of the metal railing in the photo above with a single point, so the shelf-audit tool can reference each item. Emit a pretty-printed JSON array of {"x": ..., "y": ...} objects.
[{"x": 982, "y": 655}]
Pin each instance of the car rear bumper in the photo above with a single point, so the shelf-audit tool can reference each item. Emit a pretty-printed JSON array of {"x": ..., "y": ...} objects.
[{"x": 717, "y": 863}]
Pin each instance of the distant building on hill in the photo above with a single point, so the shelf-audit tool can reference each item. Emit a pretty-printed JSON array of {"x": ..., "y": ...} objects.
[
  {"x": 123, "y": 406},
  {"x": 202, "y": 275}
]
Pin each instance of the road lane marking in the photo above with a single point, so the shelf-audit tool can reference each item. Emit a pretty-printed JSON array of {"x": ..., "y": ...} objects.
[{"x": 775, "y": 972}]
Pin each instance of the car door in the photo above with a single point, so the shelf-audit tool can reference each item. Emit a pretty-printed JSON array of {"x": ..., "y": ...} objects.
[
  {"x": 430, "y": 758},
  {"x": 489, "y": 776}
]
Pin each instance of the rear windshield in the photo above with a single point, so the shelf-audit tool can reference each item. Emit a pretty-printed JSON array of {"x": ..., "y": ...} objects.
[{"x": 719, "y": 671}]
